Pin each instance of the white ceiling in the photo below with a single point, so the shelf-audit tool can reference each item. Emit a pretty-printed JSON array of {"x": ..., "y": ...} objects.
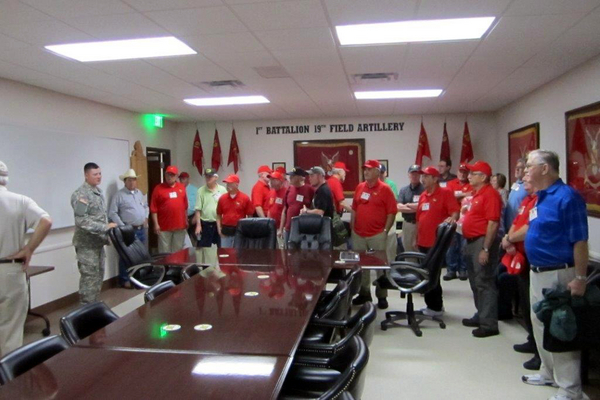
[{"x": 533, "y": 42}]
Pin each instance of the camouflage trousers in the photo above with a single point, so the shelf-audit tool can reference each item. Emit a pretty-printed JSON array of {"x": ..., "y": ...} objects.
[{"x": 90, "y": 261}]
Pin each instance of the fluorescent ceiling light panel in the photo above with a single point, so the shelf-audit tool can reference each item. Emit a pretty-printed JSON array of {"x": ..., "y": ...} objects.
[
  {"x": 227, "y": 101},
  {"x": 414, "y": 31},
  {"x": 123, "y": 49},
  {"x": 398, "y": 94}
]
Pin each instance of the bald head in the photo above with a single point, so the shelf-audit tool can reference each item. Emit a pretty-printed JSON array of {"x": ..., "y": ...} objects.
[{"x": 3, "y": 174}]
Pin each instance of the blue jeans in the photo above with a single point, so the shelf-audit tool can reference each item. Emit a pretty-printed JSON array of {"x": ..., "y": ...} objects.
[
  {"x": 454, "y": 257},
  {"x": 227, "y": 242},
  {"x": 140, "y": 234}
]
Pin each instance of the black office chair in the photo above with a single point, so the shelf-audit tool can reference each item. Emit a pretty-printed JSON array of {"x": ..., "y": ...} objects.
[
  {"x": 328, "y": 378},
  {"x": 25, "y": 358},
  {"x": 256, "y": 233},
  {"x": 410, "y": 277},
  {"x": 138, "y": 260},
  {"x": 333, "y": 306},
  {"x": 190, "y": 271},
  {"x": 310, "y": 232},
  {"x": 352, "y": 278},
  {"x": 157, "y": 290},
  {"x": 87, "y": 319}
]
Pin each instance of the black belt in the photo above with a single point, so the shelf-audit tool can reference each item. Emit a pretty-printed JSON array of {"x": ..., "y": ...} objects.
[
  {"x": 469, "y": 241},
  {"x": 137, "y": 228},
  {"x": 547, "y": 268},
  {"x": 15, "y": 261}
]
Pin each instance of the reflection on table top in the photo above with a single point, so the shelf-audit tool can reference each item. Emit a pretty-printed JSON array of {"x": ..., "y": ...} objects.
[
  {"x": 262, "y": 257},
  {"x": 249, "y": 311},
  {"x": 86, "y": 373}
]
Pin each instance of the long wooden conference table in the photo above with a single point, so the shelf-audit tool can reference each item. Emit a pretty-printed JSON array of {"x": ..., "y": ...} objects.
[{"x": 229, "y": 332}]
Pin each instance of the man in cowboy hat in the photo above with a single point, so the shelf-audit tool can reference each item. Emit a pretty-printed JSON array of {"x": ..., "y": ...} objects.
[{"x": 129, "y": 207}]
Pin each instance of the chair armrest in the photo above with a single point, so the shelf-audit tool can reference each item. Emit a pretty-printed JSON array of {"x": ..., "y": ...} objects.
[
  {"x": 310, "y": 361},
  {"x": 132, "y": 270},
  {"x": 412, "y": 267},
  {"x": 159, "y": 255},
  {"x": 411, "y": 254}
]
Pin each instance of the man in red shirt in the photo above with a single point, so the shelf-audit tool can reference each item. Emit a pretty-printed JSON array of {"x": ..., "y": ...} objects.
[
  {"x": 480, "y": 228},
  {"x": 276, "y": 196},
  {"x": 436, "y": 205},
  {"x": 168, "y": 208},
  {"x": 335, "y": 181},
  {"x": 260, "y": 192},
  {"x": 232, "y": 207},
  {"x": 298, "y": 196},
  {"x": 373, "y": 215}
]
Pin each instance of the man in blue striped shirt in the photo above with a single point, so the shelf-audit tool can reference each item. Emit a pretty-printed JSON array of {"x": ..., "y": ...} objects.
[{"x": 557, "y": 249}]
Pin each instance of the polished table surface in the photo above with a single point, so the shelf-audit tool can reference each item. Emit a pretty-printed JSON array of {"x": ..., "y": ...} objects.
[
  {"x": 252, "y": 310},
  {"x": 87, "y": 373},
  {"x": 263, "y": 257}
]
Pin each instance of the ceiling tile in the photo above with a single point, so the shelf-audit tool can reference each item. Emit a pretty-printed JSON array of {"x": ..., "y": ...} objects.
[
  {"x": 372, "y": 59},
  {"x": 8, "y": 43},
  {"x": 44, "y": 32},
  {"x": 79, "y": 8},
  {"x": 436, "y": 59},
  {"x": 19, "y": 73},
  {"x": 223, "y": 43},
  {"x": 198, "y": 21},
  {"x": 434, "y": 9},
  {"x": 314, "y": 62},
  {"x": 116, "y": 27},
  {"x": 347, "y": 12},
  {"x": 282, "y": 15},
  {"x": 15, "y": 12},
  {"x": 160, "y": 5},
  {"x": 192, "y": 69},
  {"x": 544, "y": 7},
  {"x": 286, "y": 39}
]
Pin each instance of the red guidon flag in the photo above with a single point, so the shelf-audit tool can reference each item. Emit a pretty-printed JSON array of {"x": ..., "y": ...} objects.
[
  {"x": 216, "y": 153},
  {"x": 234, "y": 153},
  {"x": 423, "y": 147},
  {"x": 466, "y": 153},
  {"x": 197, "y": 154},
  {"x": 445, "y": 152}
]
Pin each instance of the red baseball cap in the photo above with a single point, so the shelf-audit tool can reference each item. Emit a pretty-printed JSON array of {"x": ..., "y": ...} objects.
[
  {"x": 433, "y": 171},
  {"x": 480, "y": 166},
  {"x": 277, "y": 175},
  {"x": 371, "y": 164},
  {"x": 184, "y": 175},
  {"x": 264, "y": 168},
  {"x": 341, "y": 165},
  {"x": 463, "y": 167},
  {"x": 232, "y": 179},
  {"x": 171, "y": 169},
  {"x": 281, "y": 170}
]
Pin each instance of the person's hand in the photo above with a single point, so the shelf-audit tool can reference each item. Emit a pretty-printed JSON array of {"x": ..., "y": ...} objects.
[
  {"x": 505, "y": 243},
  {"x": 512, "y": 250},
  {"x": 111, "y": 225},
  {"x": 146, "y": 223},
  {"x": 449, "y": 220},
  {"x": 577, "y": 287},
  {"x": 198, "y": 229},
  {"x": 303, "y": 211},
  {"x": 280, "y": 233},
  {"x": 157, "y": 229},
  {"x": 25, "y": 253},
  {"x": 195, "y": 220},
  {"x": 484, "y": 257}
]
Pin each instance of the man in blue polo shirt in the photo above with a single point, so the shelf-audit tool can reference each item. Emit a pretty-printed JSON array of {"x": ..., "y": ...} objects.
[
  {"x": 516, "y": 196},
  {"x": 557, "y": 249}
]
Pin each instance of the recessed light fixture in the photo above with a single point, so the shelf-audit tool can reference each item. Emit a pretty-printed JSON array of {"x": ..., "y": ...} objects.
[
  {"x": 123, "y": 49},
  {"x": 432, "y": 30},
  {"x": 398, "y": 94},
  {"x": 227, "y": 101}
]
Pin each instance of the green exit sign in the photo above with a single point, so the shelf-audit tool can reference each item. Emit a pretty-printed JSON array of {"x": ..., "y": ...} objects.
[{"x": 158, "y": 121}]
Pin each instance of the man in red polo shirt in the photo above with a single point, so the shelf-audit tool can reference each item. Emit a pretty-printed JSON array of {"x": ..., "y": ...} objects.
[
  {"x": 232, "y": 207},
  {"x": 335, "y": 181},
  {"x": 480, "y": 228},
  {"x": 168, "y": 208},
  {"x": 276, "y": 196},
  {"x": 436, "y": 205},
  {"x": 373, "y": 215},
  {"x": 260, "y": 192},
  {"x": 298, "y": 196}
]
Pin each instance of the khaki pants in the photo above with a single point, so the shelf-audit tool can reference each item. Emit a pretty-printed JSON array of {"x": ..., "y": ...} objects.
[
  {"x": 171, "y": 241},
  {"x": 564, "y": 368},
  {"x": 14, "y": 302},
  {"x": 391, "y": 245},
  {"x": 376, "y": 242}
]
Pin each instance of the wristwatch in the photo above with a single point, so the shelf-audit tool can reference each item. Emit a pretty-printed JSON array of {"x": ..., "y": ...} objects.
[
  {"x": 581, "y": 277},
  {"x": 486, "y": 249}
]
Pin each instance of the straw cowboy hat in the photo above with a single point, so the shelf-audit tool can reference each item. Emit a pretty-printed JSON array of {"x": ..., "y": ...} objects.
[{"x": 129, "y": 174}]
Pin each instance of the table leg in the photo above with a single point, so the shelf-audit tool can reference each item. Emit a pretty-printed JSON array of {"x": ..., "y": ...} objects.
[{"x": 45, "y": 331}]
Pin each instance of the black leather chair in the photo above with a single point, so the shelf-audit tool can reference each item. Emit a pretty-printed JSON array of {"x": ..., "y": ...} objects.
[
  {"x": 409, "y": 277},
  {"x": 138, "y": 260},
  {"x": 85, "y": 320},
  {"x": 352, "y": 278},
  {"x": 157, "y": 290},
  {"x": 333, "y": 306},
  {"x": 328, "y": 378},
  {"x": 190, "y": 271},
  {"x": 256, "y": 233},
  {"x": 310, "y": 232},
  {"x": 25, "y": 358}
]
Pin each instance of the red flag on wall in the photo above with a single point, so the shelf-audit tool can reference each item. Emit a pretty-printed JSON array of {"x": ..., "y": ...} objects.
[
  {"x": 423, "y": 147},
  {"x": 466, "y": 154},
  {"x": 197, "y": 154},
  {"x": 445, "y": 152},
  {"x": 216, "y": 153},
  {"x": 234, "y": 153}
]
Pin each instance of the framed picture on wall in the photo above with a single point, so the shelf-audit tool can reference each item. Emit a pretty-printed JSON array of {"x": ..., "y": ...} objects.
[
  {"x": 583, "y": 158},
  {"x": 520, "y": 142},
  {"x": 278, "y": 164},
  {"x": 325, "y": 153},
  {"x": 386, "y": 164}
]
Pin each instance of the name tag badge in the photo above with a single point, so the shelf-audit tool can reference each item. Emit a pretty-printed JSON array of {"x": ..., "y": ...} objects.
[
  {"x": 365, "y": 196},
  {"x": 521, "y": 209},
  {"x": 443, "y": 184},
  {"x": 217, "y": 196},
  {"x": 425, "y": 207},
  {"x": 279, "y": 200},
  {"x": 515, "y": 186},
  {"x": 458, "y": 193},
  {"x": 416, "y": 198},
  {"x": 299, "y": 198},
  {"x": 533, "y": 214},
  {"x": 173, "y": 195}
]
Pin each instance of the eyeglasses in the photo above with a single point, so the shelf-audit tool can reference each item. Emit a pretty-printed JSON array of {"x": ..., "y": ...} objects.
[
  {"x": 529, "y": 166},
  {"x": 476, "y": 173}
]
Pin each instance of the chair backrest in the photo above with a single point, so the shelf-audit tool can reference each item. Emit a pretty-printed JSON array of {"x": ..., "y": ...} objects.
[
  {"x": 435, "y": 258},
  {"x": 354, "y": 280},
  {"x": 351, "y": 361},
  {"x": 25, "y": 358},
  {"x": 157, "y": 290},
  {"x": 131, "y": 250},
  {"x": 256, "y": 233},
  {"x": 364, "y": 319},
  {"x": 335, "y": 304},
  {"x": 310, "y": 232},
  {"x": 190, "y": 271},
  {"x": 85, "y": 320}
]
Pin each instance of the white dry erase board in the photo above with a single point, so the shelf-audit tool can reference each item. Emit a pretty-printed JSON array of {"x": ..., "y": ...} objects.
[{"x": 48, "y": 166}]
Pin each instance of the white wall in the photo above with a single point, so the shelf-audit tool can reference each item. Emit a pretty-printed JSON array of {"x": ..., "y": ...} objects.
[
  {"x": 26, "y": 105},
  {"x": 398, "y": 147},
  {"x": 547, "y": 105}
]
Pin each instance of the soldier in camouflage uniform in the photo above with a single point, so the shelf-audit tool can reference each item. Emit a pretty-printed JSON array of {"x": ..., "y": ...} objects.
[{"x": 91, "y": 227}]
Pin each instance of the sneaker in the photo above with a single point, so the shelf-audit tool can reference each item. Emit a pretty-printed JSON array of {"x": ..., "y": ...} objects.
[
  {"x": 449, "y": 276},
  {"x": 483, "y": 333},
  {"x": 360, "y": 300},
  {"x": 534, "y": 364},
  {"x": 527, "y": 347},
  {"x": 463, "y": 275},
  {"x": 470, "y": 322},
  {"x": 382, "y": 303},
  {"x": 431, "y": 313},
  {"x": 538, "y": 380}
]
